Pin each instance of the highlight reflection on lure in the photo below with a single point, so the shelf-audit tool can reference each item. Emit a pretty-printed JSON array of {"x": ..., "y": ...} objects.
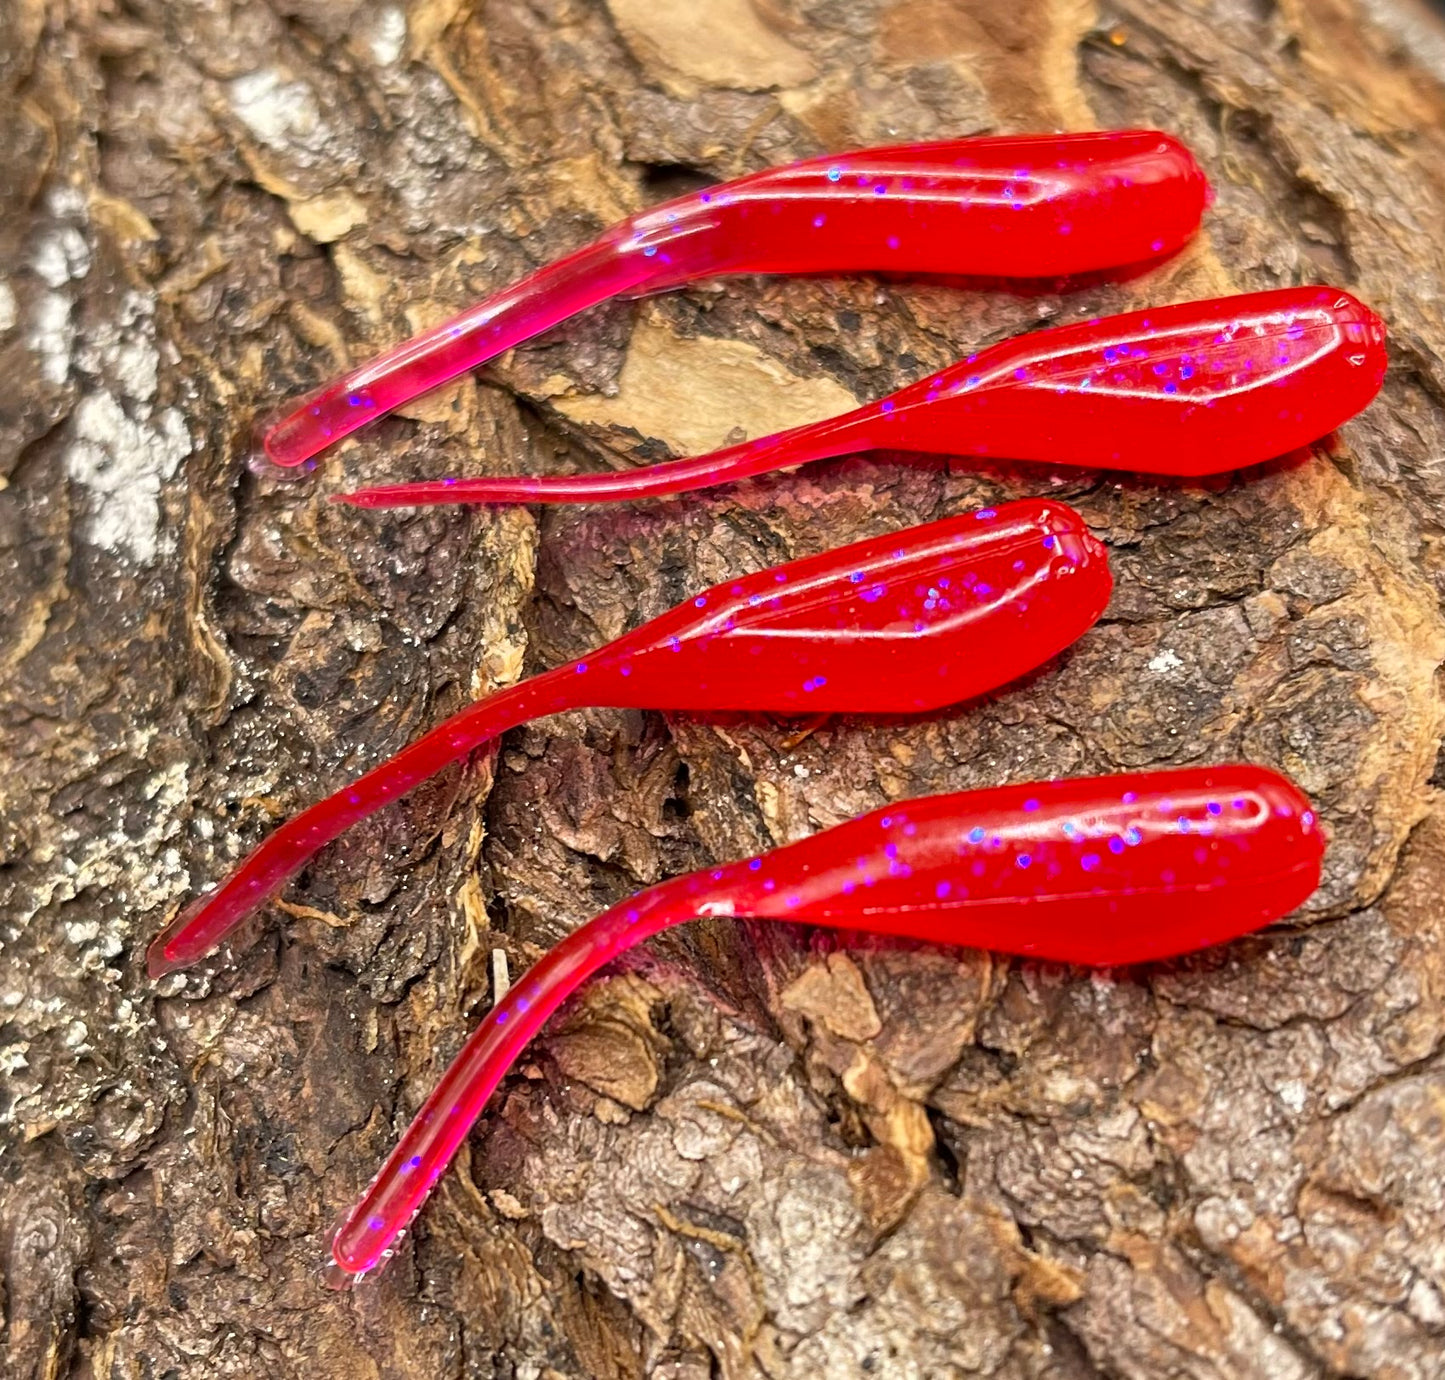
[
  {"x": 1192, "y": 389},
  {"x": 952, "y": 609},
  {"x": 1039, "y": 206},
  {"x": 1104, "y": 871}
]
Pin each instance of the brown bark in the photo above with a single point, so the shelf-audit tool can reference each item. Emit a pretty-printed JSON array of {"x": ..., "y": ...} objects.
[{"x": 754, "y": 1151}]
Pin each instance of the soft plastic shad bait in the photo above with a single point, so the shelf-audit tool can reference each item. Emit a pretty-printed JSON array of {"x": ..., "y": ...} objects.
[
  {"x": 1031, "y": 207},
  {"x": 1104, "y": 871},
  {"x": 947, "y": 610},
  {"x": 1192, "y": 389}
]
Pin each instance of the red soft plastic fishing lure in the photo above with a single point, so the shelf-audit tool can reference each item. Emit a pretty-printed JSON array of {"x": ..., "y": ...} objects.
[
  {"x": 1029, "y": 207},
  {"x": 1104, "y": 871},
  {"x": 1192, "y": 389},
  {"x": 951, "y": 609}
]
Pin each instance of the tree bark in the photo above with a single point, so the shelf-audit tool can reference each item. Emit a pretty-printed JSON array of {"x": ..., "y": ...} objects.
[{"x": 753, "y": 1151}]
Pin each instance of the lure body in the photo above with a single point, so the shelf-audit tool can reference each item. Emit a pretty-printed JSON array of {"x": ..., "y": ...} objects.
[
  {"x": 1101, "y": 871},
  {"x": 898, "y": 624},
  {"x": 1187, "y": 390},
  {"x": 1028, "y": 207}
]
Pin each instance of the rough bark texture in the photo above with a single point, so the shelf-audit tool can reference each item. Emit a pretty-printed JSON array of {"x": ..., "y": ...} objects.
[{"x": 754, "y": 1152}]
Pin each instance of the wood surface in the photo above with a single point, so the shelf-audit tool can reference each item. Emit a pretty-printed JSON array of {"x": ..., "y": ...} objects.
[{"x": 754, "y": 1151}]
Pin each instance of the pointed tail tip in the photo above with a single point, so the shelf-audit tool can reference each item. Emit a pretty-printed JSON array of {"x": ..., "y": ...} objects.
[
  {"x": 390, "y": 496},
  {"x": 379, "y": 496},
  {"x": 393, "y": 496}
]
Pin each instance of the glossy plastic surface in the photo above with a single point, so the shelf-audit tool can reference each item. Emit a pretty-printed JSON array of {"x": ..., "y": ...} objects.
[
  {"x": 1104, "y": 870},
  {"x": 1192, "y": 389},
  {"x": 1030, "y": 207},
  {"x": 897, "y": 624}
]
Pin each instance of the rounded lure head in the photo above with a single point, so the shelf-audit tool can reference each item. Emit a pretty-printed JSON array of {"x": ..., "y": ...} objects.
[
  {"x": 1095, "y": 870},
  {"x": 1022, "y": 207},
  {"x": 898, "y": 624},
  {"x": 1191, "y": 389}
]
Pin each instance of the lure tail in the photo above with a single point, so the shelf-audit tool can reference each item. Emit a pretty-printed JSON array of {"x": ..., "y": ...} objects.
[
  {"x": 816, "y": 441},
  {"x": 370, "y": 1232},
  {"x": 526, "y": 309},
  {"x": 202, "y": 925}
]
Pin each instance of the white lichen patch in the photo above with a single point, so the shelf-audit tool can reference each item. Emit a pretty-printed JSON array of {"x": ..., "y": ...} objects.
[
  {"x": 52, "y": 336},
  {"x": 105, "y": 861},
  {"x": 1293, "y": 1093},
  {"x": 82, "y": 931},
  {"x": 285, "y": 115},
  {"x": 1164, "y": 662},
  {"x": 121, "y": 450},
  {"x": 9, "y": 310},
  {"x": 61, "y": 256},
  {"x": 66, "y": 202},
  {"x": 387, "y": 38},
  {"x": 123, "y": 350},
  {"x": 102, "y": 891},
  {"x": 123, "y": 461}
]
